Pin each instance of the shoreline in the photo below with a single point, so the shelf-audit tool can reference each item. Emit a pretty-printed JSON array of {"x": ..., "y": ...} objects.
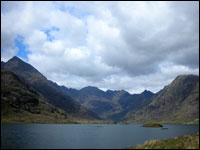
[{"x": 93, "y": 122}]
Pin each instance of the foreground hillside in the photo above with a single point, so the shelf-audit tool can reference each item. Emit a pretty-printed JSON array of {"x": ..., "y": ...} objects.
[
  {"x": 22, "y": 104},
  {"x": 182, "y": 142},
  {"x": 176, "y": 103}
]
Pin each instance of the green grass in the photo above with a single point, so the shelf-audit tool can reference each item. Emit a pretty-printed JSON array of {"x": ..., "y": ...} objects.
[{"x": 182, "y": 142}]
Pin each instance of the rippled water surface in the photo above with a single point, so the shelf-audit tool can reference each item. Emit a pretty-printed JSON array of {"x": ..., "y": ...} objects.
[{"x": 85, "y": 135}]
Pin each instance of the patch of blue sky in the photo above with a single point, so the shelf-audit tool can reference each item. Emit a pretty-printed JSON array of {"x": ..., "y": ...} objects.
[
  {"x": 47, "y": 32},
  {"x": 80, "y": 14},
  {"x": 22, "y": 48},
  {"x": 74, "y": 11}
]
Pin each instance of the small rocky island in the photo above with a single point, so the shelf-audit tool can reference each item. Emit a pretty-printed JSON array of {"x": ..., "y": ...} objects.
[{"x": 152, "y": 125}]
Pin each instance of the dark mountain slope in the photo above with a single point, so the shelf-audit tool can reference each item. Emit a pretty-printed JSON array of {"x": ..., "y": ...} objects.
[
  {"x": 47, "y": 88},
  {"x": 2, "y": 64},
  {"x": 176, "y": 103},
  {"x": 21, "y": 103}
]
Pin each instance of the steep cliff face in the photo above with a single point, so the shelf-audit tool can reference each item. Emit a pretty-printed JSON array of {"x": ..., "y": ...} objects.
[{"x": 176, "y": 103}]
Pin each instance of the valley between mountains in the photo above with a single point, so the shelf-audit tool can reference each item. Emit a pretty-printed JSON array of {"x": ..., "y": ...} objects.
[{"x": 27, "y": 96}]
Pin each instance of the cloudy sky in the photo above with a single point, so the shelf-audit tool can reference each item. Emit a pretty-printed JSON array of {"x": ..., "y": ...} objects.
[{"x": 112, "y": 45}]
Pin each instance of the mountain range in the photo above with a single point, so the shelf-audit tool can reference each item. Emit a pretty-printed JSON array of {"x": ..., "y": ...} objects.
[
  {"x": 113, "y": 105},
  {"x": 26, "y": 92}
]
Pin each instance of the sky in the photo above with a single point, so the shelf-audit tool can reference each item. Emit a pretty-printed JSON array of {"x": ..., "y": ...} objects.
[{"x": 111, "y": 45}]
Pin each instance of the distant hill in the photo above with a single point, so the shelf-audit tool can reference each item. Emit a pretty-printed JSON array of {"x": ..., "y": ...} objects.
[
  {"x": 112, "y": 105},
  {"x": 22, "y": 104},
  {"x": 47, "y": 89},
  {"x": 176, "y": 103}
]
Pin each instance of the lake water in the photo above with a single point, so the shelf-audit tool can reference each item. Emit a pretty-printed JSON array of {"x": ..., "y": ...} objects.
[{"x": 85, "y": 135}]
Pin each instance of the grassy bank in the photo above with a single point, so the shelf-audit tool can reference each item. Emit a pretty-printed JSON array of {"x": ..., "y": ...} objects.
[{"x": 182, "y": 142}]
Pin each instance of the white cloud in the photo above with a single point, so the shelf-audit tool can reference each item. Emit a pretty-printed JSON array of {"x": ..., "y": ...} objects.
[
  {"x": 117, "y": 45},
  {"x": 9, "y": 52},
  {"x": 35, "y": 41}
]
